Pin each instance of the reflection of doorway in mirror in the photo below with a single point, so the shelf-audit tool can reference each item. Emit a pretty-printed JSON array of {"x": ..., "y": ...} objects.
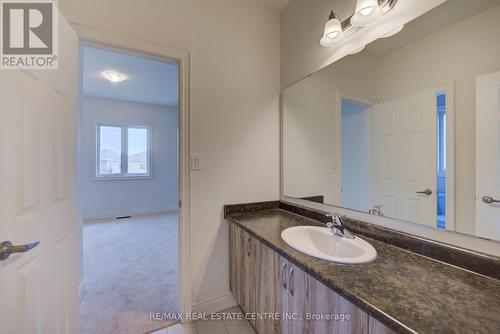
[
  {"x": 441, "y": 159},
  {"x": 354, "y": 153}
]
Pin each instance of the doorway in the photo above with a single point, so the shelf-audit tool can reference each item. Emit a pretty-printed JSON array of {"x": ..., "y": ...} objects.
[
  {"x": 441, "y": 159},
  {"x": 354, "y": 153},
  {"x": 129, "y": 190}
]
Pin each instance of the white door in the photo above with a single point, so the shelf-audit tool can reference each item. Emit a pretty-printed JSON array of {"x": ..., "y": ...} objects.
[
  {"x": 488, "y": 156},
  {"x": 403, "y": 158},
  {"x": 39, "y": 288}
]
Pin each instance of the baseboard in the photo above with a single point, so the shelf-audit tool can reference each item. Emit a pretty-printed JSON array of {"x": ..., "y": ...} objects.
[
  {"x": 82, "y": 290},
  {"x": 128, "y": 212},
  {"x": 216, "y": 304}
]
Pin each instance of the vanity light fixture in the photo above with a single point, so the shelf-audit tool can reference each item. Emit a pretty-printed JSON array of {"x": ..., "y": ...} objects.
[
  {"x": 366, "y": 11},
  {"x": 114, "y": 76},
  {"x": 333, "y": 30},
  {"x": 393, "y": 32}
]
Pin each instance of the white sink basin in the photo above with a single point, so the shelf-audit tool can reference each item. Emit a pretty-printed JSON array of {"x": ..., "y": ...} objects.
[{"x": 321, "y": 243}]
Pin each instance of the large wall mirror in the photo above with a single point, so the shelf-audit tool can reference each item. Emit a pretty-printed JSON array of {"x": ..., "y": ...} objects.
[{"x": 408, "y": 128}]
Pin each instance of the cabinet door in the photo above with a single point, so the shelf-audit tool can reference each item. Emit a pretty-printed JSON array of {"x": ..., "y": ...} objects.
[
  {"x": 242, "y": 276},
  {"x": 268, "y": 288},
  {"x": 345, "y": 317},
  {"x": 235, "y": 260},
  {"x": 310, "y": 303},
  {"x": 298, "y": 300},
  {"x": 247, "y": 274},
  {"x": 376, "y": 327},
  {"x": 283, "y": 308}
]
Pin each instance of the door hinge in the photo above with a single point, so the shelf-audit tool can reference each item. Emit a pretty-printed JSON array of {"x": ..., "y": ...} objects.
[{"x": 180, "y": 204}]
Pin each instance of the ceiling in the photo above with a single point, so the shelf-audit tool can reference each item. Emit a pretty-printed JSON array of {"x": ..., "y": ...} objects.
[
  {"x": 276, "y": 4},
  {"x": 449, "y": 13},
  {"x": 149, "y": 80}
]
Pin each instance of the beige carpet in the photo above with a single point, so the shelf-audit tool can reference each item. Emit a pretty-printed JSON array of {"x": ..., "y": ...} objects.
[{"x": 130, "y": 270}]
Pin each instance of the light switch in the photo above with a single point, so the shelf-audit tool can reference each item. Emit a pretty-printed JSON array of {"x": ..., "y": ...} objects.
[{"x": 196, "y": 162}]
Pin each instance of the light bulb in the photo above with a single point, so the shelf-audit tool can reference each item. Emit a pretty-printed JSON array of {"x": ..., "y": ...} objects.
[
  {"x": 333, "y": 34},
  {"x": 366, "y": 11}
]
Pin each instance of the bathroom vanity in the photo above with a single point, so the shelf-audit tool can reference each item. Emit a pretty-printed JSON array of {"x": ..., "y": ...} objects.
[
  {"x": 402, "y": 136},
  {"x": 401, "y": 291}
]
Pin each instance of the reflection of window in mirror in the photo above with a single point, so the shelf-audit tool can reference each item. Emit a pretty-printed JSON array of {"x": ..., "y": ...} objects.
[{"x": 441, "y": 160}]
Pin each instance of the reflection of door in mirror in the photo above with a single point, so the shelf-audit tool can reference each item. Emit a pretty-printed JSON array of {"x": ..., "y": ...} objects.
[
  {"x": 404, "y": 135},
  {"x": 355, "y": 117},
  {"x": 488, "y": 156},
  {"x": 409, "y": 180}
]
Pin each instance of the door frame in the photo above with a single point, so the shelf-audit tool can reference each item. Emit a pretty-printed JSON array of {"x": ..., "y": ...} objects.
[{"x": 87, "y": 35}]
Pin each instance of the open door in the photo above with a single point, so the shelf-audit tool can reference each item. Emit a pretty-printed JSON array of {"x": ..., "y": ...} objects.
[
  {"x": 403, "y": 149},
  {"x": 488, "y": 156},
  {"x": 39, "y": 285}
]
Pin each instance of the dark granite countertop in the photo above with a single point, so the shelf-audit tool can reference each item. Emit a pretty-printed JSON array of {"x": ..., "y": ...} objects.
[{"x": 408, "y": 292}]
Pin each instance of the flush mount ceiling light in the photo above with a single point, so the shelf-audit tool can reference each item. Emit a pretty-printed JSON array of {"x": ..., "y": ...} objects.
[
  {"x": 393, "y": 32},
  {"x": 333, "y": 30},
  {"x": 114, "y": 76},
  {"x": 366, "y": 12}
]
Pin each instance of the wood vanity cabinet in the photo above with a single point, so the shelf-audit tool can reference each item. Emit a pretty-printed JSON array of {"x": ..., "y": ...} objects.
[
  {"x": 243, "y": 276},
  {"x": 265, "y": 283}
]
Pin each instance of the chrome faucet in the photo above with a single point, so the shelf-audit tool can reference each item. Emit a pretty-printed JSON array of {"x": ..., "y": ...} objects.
[
  {"x": 337, "y": 226},
  {"x": 376, "y": 210}
]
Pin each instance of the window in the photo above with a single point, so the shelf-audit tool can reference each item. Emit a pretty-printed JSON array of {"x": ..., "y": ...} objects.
[{"x": 123, "y": 151}]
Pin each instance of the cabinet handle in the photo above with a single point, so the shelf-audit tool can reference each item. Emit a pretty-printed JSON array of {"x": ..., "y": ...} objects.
[
  {"x": 290, "y": 281},
  {"x": 283, "y": 276},
  {"x": 248, "y": 247}
]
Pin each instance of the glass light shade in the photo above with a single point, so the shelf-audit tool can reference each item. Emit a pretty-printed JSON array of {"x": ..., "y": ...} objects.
[
  {"x": 353, "y": 52},
  {"x": 366, "y": 11},
  {"x": 393, "y": 32},
  {"x": 332, "y": 32}
]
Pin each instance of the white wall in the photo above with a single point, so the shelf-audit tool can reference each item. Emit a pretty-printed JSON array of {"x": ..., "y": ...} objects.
[
  {"x": 112, "y": 198},
  {"x": 456, "y": 54},
  {"x": 311, "y": 126},
  {"x": 234, "y": 47}
]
